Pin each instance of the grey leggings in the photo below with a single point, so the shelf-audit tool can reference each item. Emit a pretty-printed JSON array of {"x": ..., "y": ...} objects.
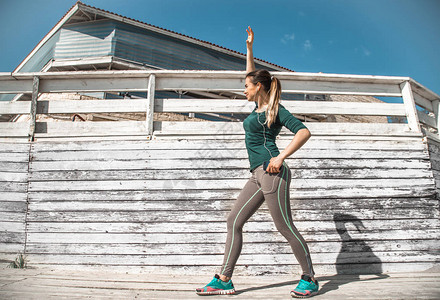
[{"x": 274, "y": 189}]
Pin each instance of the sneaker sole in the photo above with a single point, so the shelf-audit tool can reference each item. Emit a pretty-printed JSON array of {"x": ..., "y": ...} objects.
[
  {"x": 220, "y": 292},
  {"x": 302, "y": 297}
]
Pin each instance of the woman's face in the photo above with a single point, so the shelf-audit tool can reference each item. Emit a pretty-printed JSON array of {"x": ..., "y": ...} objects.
[{"x": 250, "y": 90}]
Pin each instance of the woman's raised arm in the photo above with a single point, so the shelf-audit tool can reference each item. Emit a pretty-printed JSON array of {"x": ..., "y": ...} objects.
[{"x": 250, "y": 66}]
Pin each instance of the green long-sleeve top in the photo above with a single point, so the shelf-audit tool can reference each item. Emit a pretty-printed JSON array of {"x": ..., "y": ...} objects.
[{"x": 260, "y": 139}]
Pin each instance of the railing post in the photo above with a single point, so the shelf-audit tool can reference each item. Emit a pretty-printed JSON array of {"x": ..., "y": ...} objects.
[
  {"x": 150, "y": 104},
  {"x": 410, "y": 107},
  {"x": 33, "y": 112},
  {"x": 435, "y": 110}
]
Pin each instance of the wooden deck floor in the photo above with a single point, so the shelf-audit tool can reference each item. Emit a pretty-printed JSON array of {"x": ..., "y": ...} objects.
[{"x": 60, "y": 284}]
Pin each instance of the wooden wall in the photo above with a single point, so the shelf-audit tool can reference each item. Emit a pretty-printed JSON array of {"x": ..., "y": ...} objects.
[
  {"x": 14, "y": 162},
  {"x": 364, "y": 204}
]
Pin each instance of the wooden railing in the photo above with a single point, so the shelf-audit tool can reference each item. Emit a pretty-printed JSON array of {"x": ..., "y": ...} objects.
[{"x": 208, "y": 83}]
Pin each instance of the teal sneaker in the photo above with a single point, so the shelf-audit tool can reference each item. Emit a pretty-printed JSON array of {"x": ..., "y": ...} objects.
[
  {"x": 217, "y": 287},
  {"x": 306, "y": 288}
]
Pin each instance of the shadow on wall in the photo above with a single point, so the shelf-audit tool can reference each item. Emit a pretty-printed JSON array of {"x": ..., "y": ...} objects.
[{"x": 355, "y": 257}]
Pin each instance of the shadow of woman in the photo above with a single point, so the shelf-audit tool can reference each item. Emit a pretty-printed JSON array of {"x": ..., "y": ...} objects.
[{"x": 355, "y": 257}]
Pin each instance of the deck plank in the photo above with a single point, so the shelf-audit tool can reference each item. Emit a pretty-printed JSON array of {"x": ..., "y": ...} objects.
[{"x": 57, "y": 283}]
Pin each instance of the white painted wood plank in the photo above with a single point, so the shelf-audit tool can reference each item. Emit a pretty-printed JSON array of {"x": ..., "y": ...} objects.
[
  {"x": 14, "y": 157},
  {"x": 11, "y": 237},
  {"x": 171, "y": 203},
  {"x": 8, "y": 251},
  {"x": 14, "y": 129},
  {"x": 13, "y": 206},
  {"x": 219, "y": 238},
  {"x": 13, "y": 147},
  {"x": 214, "y": 128},
  {"x": 427, "y": 119},
  {"x": 210, "y": 248},
  {"x": 411, "y": 111},
  {"x": 214, "y": 259},
  {"x": 289, "y": 86},
  {"x": 298, "y": 107},
  {"x": 414, "y": 191},
  {"x": 7, "y": 216},
  {"x": 93, "y": 85},
  {"x": 212, "y": 174},
  {"x": 13, "y": 196},
  {"x": 17, "y": 227},
  {"x": 209, "y": 184},
  {"x": 303, "y": 225},
  {"x": 218, "y": 216},
  {"x": 12, "y": 86},
  {"x": 173, "y": 154},
  {"x": 12, "y": 108},
  {"x": 315, "y": 142},
  {"x": 91, "y": 106},
  {"x": 157, "y": 164},
  {"x": 13, "y": 177},
  {"x": 13, "y": 187},
  {"x": 45, "y": 129},
  {"x": 13, "y": 166},
  {"x": 422, "y": 102}
]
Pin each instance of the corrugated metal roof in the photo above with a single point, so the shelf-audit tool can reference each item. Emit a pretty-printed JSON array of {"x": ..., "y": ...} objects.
[{"x": 79, "y": 6}]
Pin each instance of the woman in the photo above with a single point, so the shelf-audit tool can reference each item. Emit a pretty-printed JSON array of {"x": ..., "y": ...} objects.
[{"x": 270, "y": 179}]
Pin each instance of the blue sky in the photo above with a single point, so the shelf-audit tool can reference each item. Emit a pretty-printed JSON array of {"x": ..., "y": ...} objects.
[{"x": 371, "y": 37}]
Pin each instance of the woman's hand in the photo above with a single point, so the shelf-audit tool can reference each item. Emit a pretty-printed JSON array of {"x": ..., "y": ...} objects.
[
  {"x": 275, "y": 164},
  {"x": 250, "y": 65},
  {"x": 250, "y": 39}
]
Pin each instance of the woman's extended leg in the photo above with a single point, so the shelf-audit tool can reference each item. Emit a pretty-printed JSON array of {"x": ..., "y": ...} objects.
[{"x": 247, "y": 203}]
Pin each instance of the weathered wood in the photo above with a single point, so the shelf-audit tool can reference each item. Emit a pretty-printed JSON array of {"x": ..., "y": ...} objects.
[
  {"x": 410, "y": 107},
  {"x": 12, "y": 217},
  {"x": 12, "y": 108},
  {"x": 214, "y": 259},
  {"x": 91, "y": 106},
  {"x": 12, "y": 196},
  {"x": 289, "y": 86},
  {"x": 93, "y": 85},
  {"x": 72, "y": 129},
  {"x": 33, "y": 112},
  {"x": 210, "y": 173},
  {"x": 16, "y": 129},
  {"x": 218, "y": 248},
  {"x": 436, "y": 110},
  {"x": 126, "y": 283},
  {"x": 314, "y": 142},
  {"x": 13, "y": 177},
  {"x": 212, "y": 128},
  {"x": 204, "y": 184},
  {"x": 220, "y": 216},
  {"x": 66, "y": 204},
  {"x": 171, "y": 227},
  {"x": 150, "y": 104},
  {"x": 12, "y": 147},
  {"x": 265, "y": 236},
  {"x": 157, "y": 164},
  {"x": 298, "y": 107},
  {"x": 208, "y": 153},
  {"x": 427, "y": 119}
]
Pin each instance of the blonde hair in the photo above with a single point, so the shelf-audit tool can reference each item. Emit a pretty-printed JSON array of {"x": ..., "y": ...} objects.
[{"x": 272, "y": 86}]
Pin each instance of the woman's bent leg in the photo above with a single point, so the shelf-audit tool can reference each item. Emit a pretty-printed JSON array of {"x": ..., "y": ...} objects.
[
  {"x": 247, "y": 203},
  {"x": 276, "y": 193}
]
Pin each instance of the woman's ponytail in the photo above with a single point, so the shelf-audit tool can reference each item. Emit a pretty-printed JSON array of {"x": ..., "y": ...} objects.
[
  {"x": 271, "y": 86},
  {"x": 274, "y": 101}
]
